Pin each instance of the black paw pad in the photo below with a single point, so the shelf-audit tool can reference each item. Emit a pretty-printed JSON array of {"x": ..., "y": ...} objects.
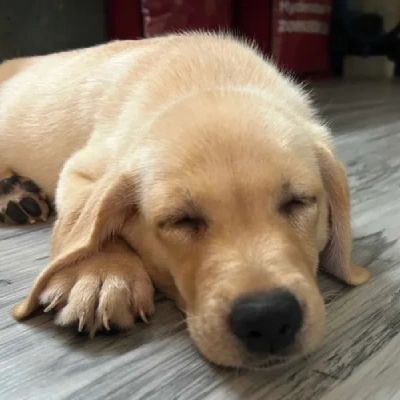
[
  {"x": 30, "y": 187},
  {"x": 30, "y": 206},
  {"x": 22, "y": 201},
  {"x": 7, "y": 185},
  {"x": 15, "y": 213}
]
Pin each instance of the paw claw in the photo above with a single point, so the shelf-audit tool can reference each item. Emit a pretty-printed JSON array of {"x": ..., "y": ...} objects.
[
  {"x": 106, "y": 322},
  {"x": 144, "y": 317},
  {"x": 81, "y": 324},
  {"x": 53, "y": 303}
]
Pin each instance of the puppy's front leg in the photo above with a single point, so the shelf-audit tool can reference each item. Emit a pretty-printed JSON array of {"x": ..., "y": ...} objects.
[
  {"x": 94, "y": 278},
  {"x": 109, "y": 289}
]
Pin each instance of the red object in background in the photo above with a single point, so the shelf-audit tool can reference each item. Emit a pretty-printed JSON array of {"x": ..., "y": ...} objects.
[
  {"x": 162, "y": 16},
  {"x": 254, "y": 20},
  {"x": 124, "y": 19},
  {"x": 300, "y": 35}
]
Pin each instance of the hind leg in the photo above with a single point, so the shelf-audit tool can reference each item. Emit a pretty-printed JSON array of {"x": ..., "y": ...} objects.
[{"x": 21, "y": 200}]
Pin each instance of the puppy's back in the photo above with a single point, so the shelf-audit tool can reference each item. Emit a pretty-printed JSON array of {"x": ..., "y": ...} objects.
[
  {"x": 50, "y": 105},
  {"x": 204, "y": 61}
]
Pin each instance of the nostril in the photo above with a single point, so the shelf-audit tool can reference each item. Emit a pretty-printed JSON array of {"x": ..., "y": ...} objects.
[
  {"x": 255, "y": 334},
  {"x": 286, "y": 330}
]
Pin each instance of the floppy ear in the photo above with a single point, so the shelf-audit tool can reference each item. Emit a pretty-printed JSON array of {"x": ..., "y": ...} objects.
[
  {"x": 335, "y": 258},
  {"x": 93, "y": 216}
]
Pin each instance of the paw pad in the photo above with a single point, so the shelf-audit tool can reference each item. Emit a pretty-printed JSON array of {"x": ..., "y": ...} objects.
[{"x": 22, "y": 201}]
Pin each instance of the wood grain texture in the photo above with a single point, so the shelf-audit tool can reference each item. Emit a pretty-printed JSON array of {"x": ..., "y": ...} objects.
[{"x": 360, "y": 357}]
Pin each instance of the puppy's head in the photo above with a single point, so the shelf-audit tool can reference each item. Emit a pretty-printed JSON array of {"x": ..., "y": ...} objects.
[
  {"x": 233, "y": 212},
  {"x": 230, "y": 199}
]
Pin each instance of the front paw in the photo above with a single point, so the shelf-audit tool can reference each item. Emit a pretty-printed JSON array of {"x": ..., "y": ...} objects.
[{"x": 94, "y": 297}]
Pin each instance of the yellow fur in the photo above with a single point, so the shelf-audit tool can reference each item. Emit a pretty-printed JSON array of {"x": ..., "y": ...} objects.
[{"x": 128, "y": 134}]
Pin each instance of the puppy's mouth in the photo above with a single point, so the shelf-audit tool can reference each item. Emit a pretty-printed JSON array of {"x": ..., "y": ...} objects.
[
  {"x": 268, "y": 361},
  {"x": 271, "y": 362},
  {"x": 267, "y": 365}
]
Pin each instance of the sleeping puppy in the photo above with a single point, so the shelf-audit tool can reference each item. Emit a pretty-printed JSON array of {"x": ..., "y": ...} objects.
[{"x": 186, "y": 163}]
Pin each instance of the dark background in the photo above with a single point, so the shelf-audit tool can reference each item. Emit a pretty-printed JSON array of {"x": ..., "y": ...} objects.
[{"x": 31, "y": 27}]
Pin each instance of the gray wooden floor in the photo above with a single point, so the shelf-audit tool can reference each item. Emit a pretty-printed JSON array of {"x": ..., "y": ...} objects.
[{"x": 360, "y": 358}]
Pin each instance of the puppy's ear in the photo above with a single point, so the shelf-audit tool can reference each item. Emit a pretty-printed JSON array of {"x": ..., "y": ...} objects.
[
  {"x": 96, "y": 213},
  {"x": 335, "y": 258}
]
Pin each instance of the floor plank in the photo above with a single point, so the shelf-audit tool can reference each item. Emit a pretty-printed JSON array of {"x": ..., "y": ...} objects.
[{"x": 360, "y": 356}]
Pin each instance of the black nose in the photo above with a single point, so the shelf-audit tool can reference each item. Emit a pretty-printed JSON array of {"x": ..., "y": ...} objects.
[{"x": 266, "y": 322}]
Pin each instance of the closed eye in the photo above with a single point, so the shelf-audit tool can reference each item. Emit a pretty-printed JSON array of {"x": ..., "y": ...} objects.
[
  {"x": 190, "y": 222},
  {"x": 296, "y": 203},
  {"x": 187, "y": 222}
]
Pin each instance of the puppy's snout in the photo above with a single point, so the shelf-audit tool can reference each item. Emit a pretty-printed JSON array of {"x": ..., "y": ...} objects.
[{"x": 266, "y": 322}]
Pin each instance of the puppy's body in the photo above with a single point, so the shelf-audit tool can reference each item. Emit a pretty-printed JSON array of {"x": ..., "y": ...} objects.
[
  {"x": 95, "y": 88},
  {"x": 205, "y": 160},
  {"x": 40, "y": 131}
]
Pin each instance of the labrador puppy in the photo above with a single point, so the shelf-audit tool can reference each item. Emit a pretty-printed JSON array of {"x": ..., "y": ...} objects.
[{"x": 186, "y": 163}]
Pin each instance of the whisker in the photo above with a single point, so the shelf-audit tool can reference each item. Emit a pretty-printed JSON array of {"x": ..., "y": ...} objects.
[{"x": 191, "y": 317}]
